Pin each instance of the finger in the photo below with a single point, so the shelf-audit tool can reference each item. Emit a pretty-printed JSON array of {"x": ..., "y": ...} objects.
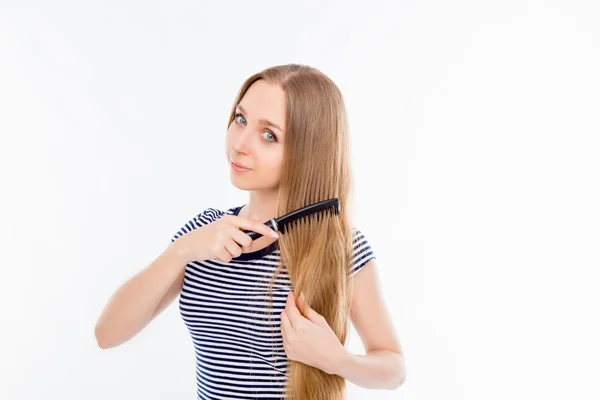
[
  {"x": 286, "y": 326},
  {"x": 303, "y": 305},
  {"x": 292, "y": 311},
  {"x": 222, "y": 255},
  {"x": 308, "y": 312},
  {"x": 265, "y": 230},
  {"x": 244, "y": 240},
  {"x": 257, "y": 227},
  {"x": 233, "y": 248}
]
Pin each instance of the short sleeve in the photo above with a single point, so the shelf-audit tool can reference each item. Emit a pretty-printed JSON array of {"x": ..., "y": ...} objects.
[
  {"x": 205, "y": 217},
  {"x": 362, "y": 252}
]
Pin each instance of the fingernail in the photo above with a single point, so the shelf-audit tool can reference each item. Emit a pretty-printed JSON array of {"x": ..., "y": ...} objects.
[{"x": 275, "y": 235}]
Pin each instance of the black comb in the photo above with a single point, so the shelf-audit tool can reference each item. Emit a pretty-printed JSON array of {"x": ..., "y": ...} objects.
[{"x": 281, "y": 224}]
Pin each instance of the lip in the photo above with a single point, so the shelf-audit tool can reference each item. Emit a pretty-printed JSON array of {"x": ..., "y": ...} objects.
[{"x": 238, "y": 167}]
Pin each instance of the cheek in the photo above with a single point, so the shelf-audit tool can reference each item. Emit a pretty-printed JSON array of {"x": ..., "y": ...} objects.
[
  {"x": 275, "y": 163},
  {"x": 228, "y": 142}
]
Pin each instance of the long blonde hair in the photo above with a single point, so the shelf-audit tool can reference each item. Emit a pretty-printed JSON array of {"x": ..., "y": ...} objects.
[{"x": 316, "y": 252}]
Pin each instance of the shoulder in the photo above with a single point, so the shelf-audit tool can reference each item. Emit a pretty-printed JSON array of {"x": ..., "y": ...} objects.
[
  {"x": 362, "y": 252},
  {"x": 359, "y": 239}
]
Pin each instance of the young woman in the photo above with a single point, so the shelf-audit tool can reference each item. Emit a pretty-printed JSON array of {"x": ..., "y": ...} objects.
[{"x": 269, "y": 318}]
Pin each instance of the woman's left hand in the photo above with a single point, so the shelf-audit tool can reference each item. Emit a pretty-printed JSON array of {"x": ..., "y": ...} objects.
[{"x": 308, "y": 338}]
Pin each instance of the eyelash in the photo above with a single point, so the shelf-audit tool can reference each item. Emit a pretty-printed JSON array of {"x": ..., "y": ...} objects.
[{"x": 270, "y": 141}]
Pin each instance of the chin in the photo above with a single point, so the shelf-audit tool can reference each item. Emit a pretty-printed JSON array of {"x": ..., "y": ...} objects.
[{"x": 240, "y": 183}]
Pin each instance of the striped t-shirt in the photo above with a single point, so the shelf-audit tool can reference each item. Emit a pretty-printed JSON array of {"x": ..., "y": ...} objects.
[{"x": 237, "y": 339}]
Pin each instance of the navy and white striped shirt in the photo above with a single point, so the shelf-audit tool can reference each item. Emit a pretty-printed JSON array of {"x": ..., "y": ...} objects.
[{"x": 238, "y": 342}]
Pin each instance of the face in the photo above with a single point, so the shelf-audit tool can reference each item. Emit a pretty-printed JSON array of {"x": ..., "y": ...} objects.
[{"x": 253, "y": 142}]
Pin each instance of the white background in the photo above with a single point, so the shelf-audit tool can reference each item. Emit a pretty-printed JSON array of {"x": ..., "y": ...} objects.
[{"x": 475, "y": 149}]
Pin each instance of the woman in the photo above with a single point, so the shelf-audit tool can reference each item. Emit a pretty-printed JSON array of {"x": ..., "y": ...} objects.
[{"x": 269, "y": 318}]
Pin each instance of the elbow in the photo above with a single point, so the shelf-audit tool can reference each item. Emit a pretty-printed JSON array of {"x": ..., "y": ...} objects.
[
  {"x": 400, "y": 381},
  {"x": 400, "y": 373},
  {"x": 101, "y": 338}
]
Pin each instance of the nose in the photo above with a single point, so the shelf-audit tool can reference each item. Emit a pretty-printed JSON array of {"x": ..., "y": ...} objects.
[{"x": 242, "y": 142}]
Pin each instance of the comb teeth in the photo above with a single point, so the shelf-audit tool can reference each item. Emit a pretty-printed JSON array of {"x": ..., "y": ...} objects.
[
  {"x": 330, "y": 210},
  {"x": 331, "y": 207}
]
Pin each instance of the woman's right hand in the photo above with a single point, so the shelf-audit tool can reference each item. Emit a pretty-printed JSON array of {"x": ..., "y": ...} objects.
[{"x": 221, "y": 239}]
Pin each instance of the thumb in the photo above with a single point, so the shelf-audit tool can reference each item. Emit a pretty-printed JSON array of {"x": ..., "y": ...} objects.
[{"x": 309, "y": 313}]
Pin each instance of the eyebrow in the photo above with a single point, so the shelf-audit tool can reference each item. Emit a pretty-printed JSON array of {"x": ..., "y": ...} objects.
[{"x": 262, "y": 121}]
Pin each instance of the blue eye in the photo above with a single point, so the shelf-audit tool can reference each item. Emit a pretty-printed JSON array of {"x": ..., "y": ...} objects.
[
  {"x": 271, "y": 133},
  {"x": 267, "y": 131},
  {"x": 237, "y": 115}
]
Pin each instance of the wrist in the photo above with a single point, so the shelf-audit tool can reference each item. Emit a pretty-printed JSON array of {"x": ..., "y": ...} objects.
[
  {"x": 344, "y": 360},
  {"x": 176, "y": 252}
]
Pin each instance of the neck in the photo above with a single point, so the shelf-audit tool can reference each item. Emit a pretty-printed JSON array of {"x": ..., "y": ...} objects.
[{"x": 262, "y": 205}]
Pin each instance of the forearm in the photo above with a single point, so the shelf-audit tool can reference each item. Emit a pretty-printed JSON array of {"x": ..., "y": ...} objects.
[
  {"x": 131, "y": 306},
  {"x": 379, "y": 369}
]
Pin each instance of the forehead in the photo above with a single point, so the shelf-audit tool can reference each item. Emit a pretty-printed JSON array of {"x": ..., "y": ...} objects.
[{"x": 264, "y": 102}]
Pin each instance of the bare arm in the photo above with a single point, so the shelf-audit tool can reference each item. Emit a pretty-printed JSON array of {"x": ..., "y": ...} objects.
[
  {"x": 139, "y": 300},
  {"x": 383, "y": 366},
  {"x": 144, "y": 296},
  {"x": 171, "y": 295}
]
